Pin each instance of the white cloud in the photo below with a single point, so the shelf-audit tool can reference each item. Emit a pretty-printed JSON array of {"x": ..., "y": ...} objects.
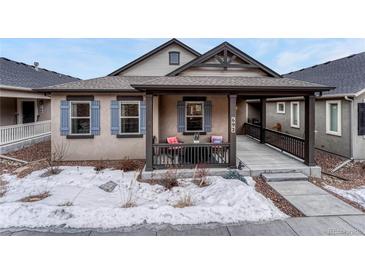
[{"x": 317, "y": 53}]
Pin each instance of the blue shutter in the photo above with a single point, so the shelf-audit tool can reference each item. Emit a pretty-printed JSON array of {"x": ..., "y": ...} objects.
[
  {"x": 142, "y": 117},
  {"x": 114, "y": 111},
  {"x": 180, "y": 116},
  {"x": 65, "y": 117},
  {"x": 208, "y": 116},
  {"x": 95, "y": 117}
]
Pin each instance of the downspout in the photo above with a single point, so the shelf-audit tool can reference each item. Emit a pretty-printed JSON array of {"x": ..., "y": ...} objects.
[{"x": 351, "y": 126}]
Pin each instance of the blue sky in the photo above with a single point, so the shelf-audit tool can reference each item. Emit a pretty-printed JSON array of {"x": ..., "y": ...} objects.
[{"x": 89, "y": 58}]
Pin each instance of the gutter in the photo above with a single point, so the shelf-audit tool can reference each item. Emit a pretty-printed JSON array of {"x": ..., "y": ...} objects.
[
  {"x": 351, "y": 127},
  {"x": 15, "y": 88}
]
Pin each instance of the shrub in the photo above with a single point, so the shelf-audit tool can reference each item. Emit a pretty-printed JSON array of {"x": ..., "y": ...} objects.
[
  {"x": 185, "y": 201},
  {"x": 130, "y": 165},
  {"x": 3, "y": 187},
  {"x": 169, "y": 178},
  {"x": 200, "y": 176},
  {"x": 58, "y": 153},
  {"x": 35, "y": 198},
  {"x": 128, "y": 197}
]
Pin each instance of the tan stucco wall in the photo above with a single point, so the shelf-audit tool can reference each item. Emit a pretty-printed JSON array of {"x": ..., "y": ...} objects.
[
  {"x": 168, "y": 118},
  {"x": 105, "y": 146},
  {"x": 46, "y": 114},
  {"x": 240, "y": 115},
  {"x": 7, "y": 111},
  {"x": 158, "y": 64}
]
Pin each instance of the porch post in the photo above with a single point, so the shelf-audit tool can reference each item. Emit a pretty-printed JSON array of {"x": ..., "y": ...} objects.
[
  {"x": 309, "y": 129},
  {"x": 263, "y": 120},
  {"x": 149, "y": 131},
  {"x": 232, "y": 99}
]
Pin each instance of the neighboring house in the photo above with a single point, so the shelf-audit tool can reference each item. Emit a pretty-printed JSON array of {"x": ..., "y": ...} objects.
[
  {"x": 172, "y": 91},
  {"x": 20, "y": 105},
  {"x": 340, "y": 114}
]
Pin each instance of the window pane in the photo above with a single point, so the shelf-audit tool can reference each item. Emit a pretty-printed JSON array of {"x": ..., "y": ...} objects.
[
  {"x": 194, "y": 109},
  {"x": 129, "y": 110},
  {"x": 80, "y": 126},
  {"x": 129, "y": 125},
  {"x": 80, "y": 110},
  {"x": 281, "y": 107},
  {"x": 295, "y": 114},
  {"x": 194, "y": 123},
  {"x": 174, "y": 58},
  {"x": 333, "y": 117}
]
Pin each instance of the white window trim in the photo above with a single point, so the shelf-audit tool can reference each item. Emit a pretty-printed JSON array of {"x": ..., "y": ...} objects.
[
  {"x": 186, "y": 116},
  {"x": 277, "y": 107},
  {"x": 120, "y": 117},
  {"x": 83, "y": 117},
  {"x": 291, "y": 114},
  {"x": 328, "y": 118}
]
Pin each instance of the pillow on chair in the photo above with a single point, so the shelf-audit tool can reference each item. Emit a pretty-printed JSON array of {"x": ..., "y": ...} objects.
[
  {"x": 172, "y": 140},
  {"x": 216, "y": 139}
]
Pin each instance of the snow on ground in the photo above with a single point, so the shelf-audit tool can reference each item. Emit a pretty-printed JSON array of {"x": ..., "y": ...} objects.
[
  {"x": 356, "y": 195},
  {"x": 223, "y": 201}
]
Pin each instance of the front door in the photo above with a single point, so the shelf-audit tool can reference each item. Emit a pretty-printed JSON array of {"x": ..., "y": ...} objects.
[{"x": 28, "y": 111}]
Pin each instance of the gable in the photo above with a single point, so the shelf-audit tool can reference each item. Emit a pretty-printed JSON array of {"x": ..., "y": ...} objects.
[
  {"x": 225, "y": 60},
  {"x": 156, "y": 62}
]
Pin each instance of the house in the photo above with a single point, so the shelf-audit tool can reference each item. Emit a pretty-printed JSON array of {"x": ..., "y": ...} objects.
[
  {"x": 172, "y": 91},
  {"x": 24, "y": 113},
  {"x": 340, "y": 114}
]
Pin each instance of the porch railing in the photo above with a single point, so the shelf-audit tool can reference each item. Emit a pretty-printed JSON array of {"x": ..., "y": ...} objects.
[
  {"x": 286, "y": 142},
  {"x": 189, "y": 155},
  {"x": 15, "y": 133}
]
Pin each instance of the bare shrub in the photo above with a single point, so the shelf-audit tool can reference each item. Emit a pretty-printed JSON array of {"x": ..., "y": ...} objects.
[
  {"x": 58, "y": 153},
  {"x": 130, "y": 165},
  {"x": 185, "y": 201},
  {"x": 169, "y": 178},
  {"x": 100, "y": 165},
  {"x": 200, "y": 176},
  {"x": 128, "y": 197},
  {"x": 3, "y": 187},
  {"x": 35, "y": 198},
  {"x": 66, "y": 204}
]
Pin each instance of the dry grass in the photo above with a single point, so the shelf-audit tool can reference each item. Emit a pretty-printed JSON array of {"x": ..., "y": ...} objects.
[
  {"x": 35, "y": 198},
  {"x": 3, "y": 187},
  {"x": 128, "y": 197},
  {"x": 200, "y": 176},
  {"x": 185, "y": 201},
  {"x": 128, "y": 204}
]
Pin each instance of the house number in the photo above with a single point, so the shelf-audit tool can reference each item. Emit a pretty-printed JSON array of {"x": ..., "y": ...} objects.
[{"x": 233, "y": 124}]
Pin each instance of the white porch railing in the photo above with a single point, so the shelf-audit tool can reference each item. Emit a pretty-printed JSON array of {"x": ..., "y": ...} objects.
[{"x": 15, "y": 133}]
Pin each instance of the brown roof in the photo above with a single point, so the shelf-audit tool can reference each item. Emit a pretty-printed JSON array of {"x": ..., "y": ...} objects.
[{"x": 134, "y": 83}]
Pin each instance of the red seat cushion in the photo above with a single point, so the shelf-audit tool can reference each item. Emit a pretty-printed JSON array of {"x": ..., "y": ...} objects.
[{"x": 172, "y": 140}]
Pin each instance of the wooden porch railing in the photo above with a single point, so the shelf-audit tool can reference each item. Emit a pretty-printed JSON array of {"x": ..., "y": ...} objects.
[
  {"x": 189, "y": 155},
  {"x": 15, "y": 133},
  {"x": 286, "y": 142}
]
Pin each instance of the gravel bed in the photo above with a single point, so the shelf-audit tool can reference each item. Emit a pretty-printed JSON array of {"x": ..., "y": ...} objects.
[{"x": 278, "y": 200}]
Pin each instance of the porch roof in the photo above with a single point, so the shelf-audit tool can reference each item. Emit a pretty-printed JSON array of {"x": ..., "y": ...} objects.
[{"x": 144, "y": 83}]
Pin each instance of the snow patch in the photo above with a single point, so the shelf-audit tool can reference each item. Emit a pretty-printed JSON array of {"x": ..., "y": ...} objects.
[
  {"x": 223, "y": 201},
  {"x": 356, "y": 195}
]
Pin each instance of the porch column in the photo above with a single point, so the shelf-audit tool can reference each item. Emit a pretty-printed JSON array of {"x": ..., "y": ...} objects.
[
  {"x": 263, "y": 120},
  {"x": 309, "y": 129},
  {"x": 232, "y": 99},
  {"x": 149, "y": 131}
]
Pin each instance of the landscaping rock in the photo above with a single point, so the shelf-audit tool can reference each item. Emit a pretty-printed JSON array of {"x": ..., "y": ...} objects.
[{"x": 108, "y": 187}]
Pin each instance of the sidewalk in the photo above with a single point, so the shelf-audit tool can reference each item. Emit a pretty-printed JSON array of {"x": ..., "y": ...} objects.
[{"x": 353, "y": 225}]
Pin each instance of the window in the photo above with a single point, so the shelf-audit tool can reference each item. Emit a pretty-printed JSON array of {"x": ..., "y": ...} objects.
[
  {"x": 80, "y": 118},
  {"x": 129, "y": 117},
  {"x": 333, "y": 117},
  {"x": 280, "y": 107},
  {"x": 294, "y": 114},
  {"x": 194, "y": 115},
  {"x": 174, "y": 58}
]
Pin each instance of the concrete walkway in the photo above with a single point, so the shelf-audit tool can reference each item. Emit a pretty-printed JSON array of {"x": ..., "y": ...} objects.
[
  {"x": 260, "y": 158},
  {"x": 311, "y": 200},
  {"x": 305, "y": 226}
]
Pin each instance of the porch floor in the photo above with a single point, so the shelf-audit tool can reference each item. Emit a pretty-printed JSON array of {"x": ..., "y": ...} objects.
[{"x": 260, "y": 158}]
